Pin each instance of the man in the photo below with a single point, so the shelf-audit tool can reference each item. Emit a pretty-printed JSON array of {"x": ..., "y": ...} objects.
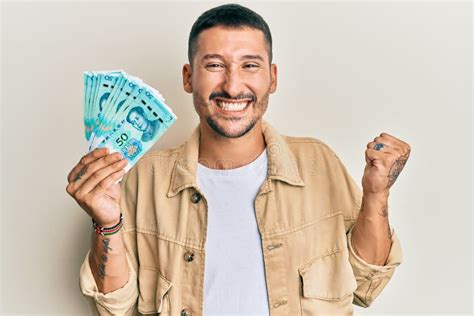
[{"x": 239, "y": 220}]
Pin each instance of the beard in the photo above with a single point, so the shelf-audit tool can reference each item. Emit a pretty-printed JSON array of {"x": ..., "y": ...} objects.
[{"x": 214, "y": 120}]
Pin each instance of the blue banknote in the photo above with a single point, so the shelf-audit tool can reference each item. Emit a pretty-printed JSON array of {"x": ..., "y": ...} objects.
[{"x": 123, "y": 113}]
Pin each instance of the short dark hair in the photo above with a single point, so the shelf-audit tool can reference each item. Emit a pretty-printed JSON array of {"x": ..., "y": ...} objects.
[{"x": 230, "y": 16}]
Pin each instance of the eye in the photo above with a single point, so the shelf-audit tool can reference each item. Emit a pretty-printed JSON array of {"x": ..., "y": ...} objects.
[
  {"x": 251, "y": 66},
  {"x": 214, "y": 66}
]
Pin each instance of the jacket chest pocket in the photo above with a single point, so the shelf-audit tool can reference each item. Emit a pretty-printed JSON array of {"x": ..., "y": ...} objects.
[
  {"x": 154, "y": 292},
  {"x": 327, "y": 285}
]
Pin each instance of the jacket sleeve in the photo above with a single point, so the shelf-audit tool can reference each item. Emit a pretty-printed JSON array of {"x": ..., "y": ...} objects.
[
  {"x": 372, "y": 279},
  {"x": 122, "y": 301},
  {"x": 119, "y": 302}
]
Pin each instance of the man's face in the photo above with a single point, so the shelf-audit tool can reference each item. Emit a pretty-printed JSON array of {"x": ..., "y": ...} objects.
[
  {"x": 231, "y": 79},
  {"x": 138, "y": 121}
]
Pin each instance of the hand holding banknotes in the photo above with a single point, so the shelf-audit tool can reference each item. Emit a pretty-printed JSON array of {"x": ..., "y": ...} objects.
[
  {"x": 93, "y": 184},
  {"x": 123, "y": 118}
]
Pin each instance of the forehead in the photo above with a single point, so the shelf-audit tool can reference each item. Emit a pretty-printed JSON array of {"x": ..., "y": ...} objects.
[{"x": 231, "y": 42}]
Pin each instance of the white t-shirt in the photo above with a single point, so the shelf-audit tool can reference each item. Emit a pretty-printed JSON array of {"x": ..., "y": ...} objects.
[{"x": 234, "y": 279}]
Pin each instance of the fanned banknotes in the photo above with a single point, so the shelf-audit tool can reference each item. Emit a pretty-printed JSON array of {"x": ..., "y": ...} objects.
[{"x": 123, "y": 113}]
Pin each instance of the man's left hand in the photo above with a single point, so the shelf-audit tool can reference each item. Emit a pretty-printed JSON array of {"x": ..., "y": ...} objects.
[{"x": 385, "y": 164}]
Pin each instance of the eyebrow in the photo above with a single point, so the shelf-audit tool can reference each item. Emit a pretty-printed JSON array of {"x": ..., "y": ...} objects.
[
  {"x": 217, "y": 56},
  {"x": 258, "y": 57},
  {"x": 212, "y": 56}
]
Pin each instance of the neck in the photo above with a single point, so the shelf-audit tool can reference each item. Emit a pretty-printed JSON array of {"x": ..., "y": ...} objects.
[{"x": 219, "y": 152}]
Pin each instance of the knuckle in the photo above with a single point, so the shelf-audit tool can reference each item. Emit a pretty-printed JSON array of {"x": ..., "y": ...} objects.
[
  {"x": 69, "y": 188},
  {"x": 113, "y": 157},
  {"x": 83, "y": 160},
  {"x": 107, "y": 159},
  {"x": 92, "y": 168},
  {"x": 97, "y": 152},
  {"x": 79, "y": 196},
  {"x": 118, "y": 165}
]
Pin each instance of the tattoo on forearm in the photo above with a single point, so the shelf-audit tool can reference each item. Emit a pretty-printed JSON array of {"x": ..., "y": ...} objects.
[
  {"x": 102, "y": 270},
  {"x": 105, "y": 244},
  {"x": 384, "y": 211},
  {"x": 106, "y": 248},
  {"x": 396, "y": 168}
]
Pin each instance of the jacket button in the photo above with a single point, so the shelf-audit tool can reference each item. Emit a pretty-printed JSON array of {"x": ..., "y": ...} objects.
[
  {"x": 185, "y": 312},
  {"x": 195, "y": 197},
  {"x": 188, "y": 256}
]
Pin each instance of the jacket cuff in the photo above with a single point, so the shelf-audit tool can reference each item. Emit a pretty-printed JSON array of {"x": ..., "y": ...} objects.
[
  {"x": 116, "y": 301},
  {"x": 362, "y": 268}
]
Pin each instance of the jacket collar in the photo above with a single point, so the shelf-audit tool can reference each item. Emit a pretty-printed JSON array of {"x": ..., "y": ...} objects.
[{"x": 281, "y": 162}]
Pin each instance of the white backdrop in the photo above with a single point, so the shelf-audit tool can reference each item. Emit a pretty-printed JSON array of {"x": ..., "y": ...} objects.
[{"x": 347, "y": 72}]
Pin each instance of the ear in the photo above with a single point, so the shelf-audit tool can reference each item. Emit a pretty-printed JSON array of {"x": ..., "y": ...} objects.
[
  {"x": 273, "y": 78},
  {"x": 187, "y": 73}
]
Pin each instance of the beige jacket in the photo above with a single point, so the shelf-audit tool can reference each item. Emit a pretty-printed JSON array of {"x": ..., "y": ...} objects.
[{"x": 305, "y": 209}]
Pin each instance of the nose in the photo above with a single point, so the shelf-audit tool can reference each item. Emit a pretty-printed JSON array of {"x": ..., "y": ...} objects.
[{"x": 233, "y": 83}]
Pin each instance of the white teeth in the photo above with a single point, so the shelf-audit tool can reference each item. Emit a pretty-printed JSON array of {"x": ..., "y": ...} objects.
[{"x": 230, "y": 106}]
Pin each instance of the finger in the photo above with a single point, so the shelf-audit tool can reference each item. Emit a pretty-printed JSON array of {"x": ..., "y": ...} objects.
[
  {"x": 384, "y": 140},
  {"x": 372, "y": 154},
  {"x": 385, "y": 158},
  {"x": 396, "y": 142},
  {"x": 386, "y": 148},
  {"x": 106, "y": 183},
  {"x": 388, "y": 151},
  {"x": 394, "y": 139},
  {"x": 90, "y": 157},
  {"x": 101, "y": 174},
  {"x": 90, "y": 169},
  {"x": 85, "y": 160}
]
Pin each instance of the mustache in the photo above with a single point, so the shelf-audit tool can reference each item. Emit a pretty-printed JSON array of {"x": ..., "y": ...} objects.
[{"x": 225, "y": 95}]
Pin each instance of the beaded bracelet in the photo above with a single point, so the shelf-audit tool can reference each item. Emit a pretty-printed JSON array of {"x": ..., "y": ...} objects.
[{"x": 107, "y": 231}]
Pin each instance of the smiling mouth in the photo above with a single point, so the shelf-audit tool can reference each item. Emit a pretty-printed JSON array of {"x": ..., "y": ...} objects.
[{"x": 232, "y": 105}]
